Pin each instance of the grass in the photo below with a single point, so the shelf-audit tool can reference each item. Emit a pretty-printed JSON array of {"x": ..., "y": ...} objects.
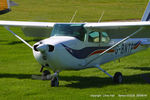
[
  {"x": 88, "y": 10},
  {"x": 17, "y": 63}
]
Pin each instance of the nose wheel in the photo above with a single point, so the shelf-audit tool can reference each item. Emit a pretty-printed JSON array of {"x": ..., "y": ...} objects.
[
  {"x": 46, "y": 75},
  {"x": 54, "y": 82}
]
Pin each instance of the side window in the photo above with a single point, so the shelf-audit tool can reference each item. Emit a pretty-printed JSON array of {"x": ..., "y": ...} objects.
[
  {"x": 94, "y": 37},
  {"x": 104, "y": 37},
  {"x": 98, "y": 37}
]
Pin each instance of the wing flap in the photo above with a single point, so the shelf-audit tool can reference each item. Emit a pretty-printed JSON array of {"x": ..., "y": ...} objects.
[
  {"x": 36, "y": 32},
  {"x": 32, "y": 29}
]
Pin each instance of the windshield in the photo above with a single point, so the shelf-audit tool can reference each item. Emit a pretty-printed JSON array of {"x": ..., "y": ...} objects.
[{"x": 74, "y": 30}]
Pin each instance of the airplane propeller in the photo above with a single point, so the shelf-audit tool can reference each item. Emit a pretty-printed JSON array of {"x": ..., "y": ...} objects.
[{"x": 43, "y": 47}]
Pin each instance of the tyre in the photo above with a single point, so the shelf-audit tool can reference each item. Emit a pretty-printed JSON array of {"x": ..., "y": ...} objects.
[
  {"x": 118, "y": 77},
  {"x": 54, "y": 82}
]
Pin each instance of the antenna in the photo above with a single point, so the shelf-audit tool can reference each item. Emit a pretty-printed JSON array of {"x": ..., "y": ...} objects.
[
  {"x": 73, "y": 16},
  {"x": 101, "y": 17}
]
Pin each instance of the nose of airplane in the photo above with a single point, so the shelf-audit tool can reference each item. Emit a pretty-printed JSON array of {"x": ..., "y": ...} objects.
[{"x": 44, "y": 47}]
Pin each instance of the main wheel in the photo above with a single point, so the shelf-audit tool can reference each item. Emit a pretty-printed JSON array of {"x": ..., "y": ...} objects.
[
  {"x": 118, "y": 77},
  {"x": 44, "y": 74},
  {"x": 54, "y": 82}
]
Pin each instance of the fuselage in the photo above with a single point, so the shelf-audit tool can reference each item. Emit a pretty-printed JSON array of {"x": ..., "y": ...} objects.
[{"x": 71, "y": 47}]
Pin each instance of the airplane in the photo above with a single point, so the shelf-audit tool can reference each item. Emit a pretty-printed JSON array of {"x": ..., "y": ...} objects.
[
  {"x": 76, "y": 46},
  {"x": 5, "y": 6}
]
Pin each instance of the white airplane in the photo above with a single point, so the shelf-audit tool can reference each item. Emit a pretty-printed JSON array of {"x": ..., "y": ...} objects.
[{"x": 76, "y": 46}]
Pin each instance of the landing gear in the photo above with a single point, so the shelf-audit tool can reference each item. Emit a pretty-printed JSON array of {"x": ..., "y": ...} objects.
[
  {"x": 118, "y": 77},
  {"x": 54, "y": 82},
  {"x": 45, "y": 74}
]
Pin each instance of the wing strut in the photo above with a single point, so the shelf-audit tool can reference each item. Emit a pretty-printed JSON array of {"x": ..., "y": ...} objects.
[
  {"x": 118, "y": 43},
  {"x": 19, "y": 37}
]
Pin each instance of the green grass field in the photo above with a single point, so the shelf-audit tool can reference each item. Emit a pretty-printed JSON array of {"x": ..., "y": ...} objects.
[{"x": 17, "y": 63}]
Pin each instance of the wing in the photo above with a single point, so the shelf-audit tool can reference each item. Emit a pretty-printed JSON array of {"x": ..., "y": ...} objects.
[
  {"x": 117, "y": 30},
  {"x": 33, "y": 29}
]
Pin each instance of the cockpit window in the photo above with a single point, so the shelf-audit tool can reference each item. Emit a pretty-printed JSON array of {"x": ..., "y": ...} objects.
[
  {"x": 74, "y": 30},
  {"x": 104, "y": 37},
  {"x": 98, "y": 37},
  {"x": 94, "y": 37}
]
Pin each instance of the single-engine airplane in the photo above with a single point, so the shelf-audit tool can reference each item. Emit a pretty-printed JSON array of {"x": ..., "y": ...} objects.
[{"x": 76, "y": 46}]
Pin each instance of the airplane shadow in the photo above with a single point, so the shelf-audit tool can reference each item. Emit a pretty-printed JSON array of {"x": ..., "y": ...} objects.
[
  {"x": 98, "y": 82},
  {"x": 18, "y": 76},
  {"x": 86, "y": 82},
  {"x": 140, "y": 68}
]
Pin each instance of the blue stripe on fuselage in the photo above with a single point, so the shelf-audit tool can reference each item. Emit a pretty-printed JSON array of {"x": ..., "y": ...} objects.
[{"x": 83, "y": 53}]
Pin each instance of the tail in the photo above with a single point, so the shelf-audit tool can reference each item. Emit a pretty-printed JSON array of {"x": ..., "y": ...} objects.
[
  {"x": 146, "y": 16},
  {"x": 5, "y": 6}
]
